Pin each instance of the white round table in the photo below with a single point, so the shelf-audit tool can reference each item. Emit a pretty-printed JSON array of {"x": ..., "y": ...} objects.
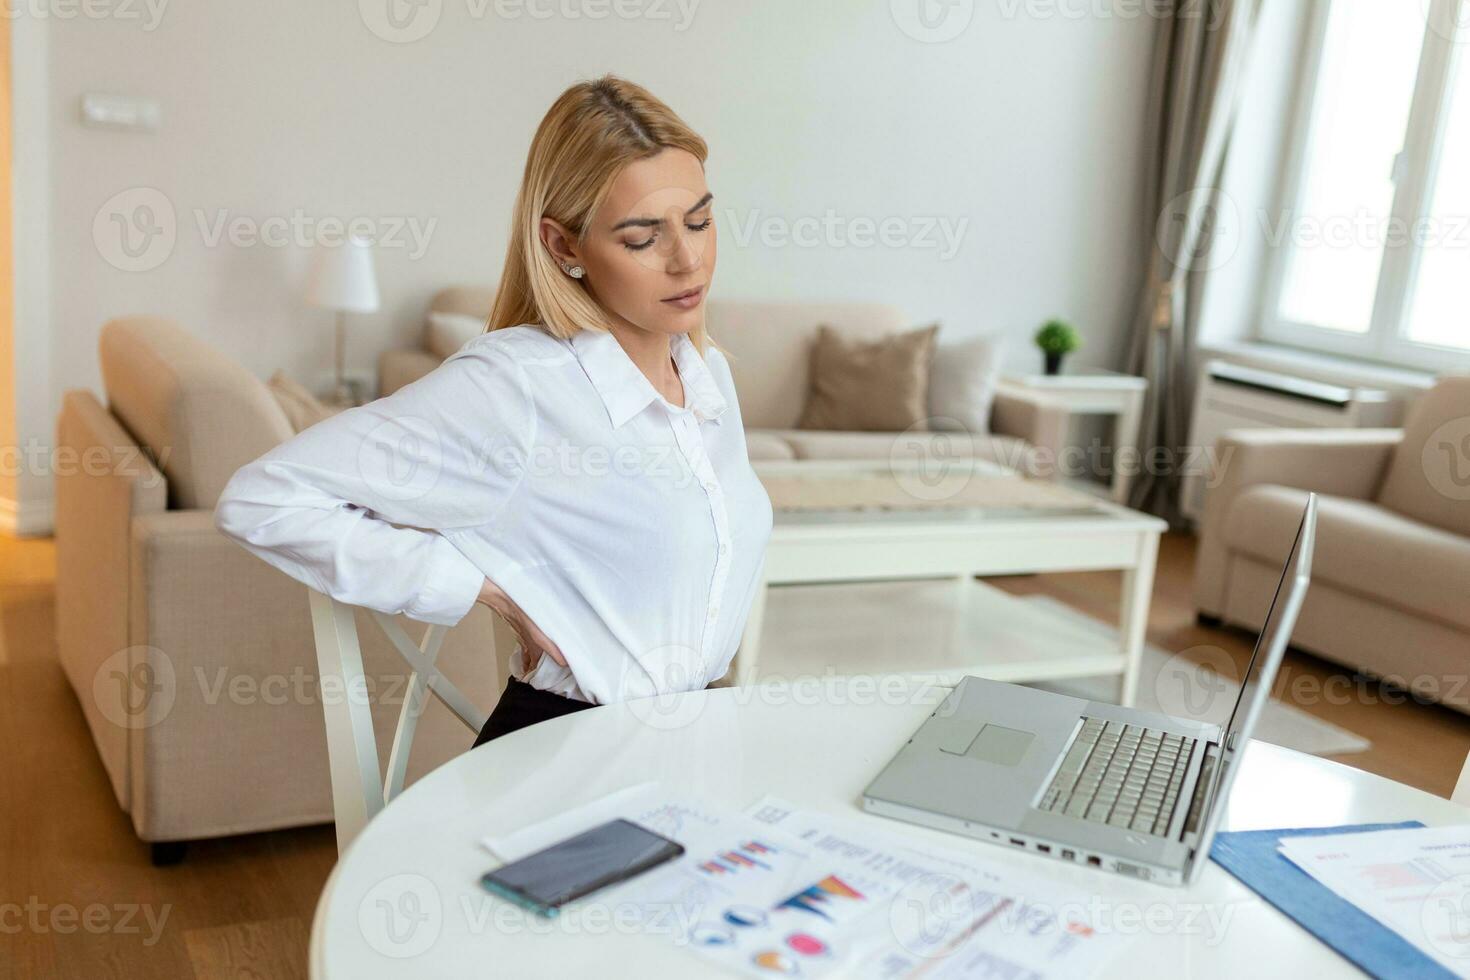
[{"x": 405, "y": 900}]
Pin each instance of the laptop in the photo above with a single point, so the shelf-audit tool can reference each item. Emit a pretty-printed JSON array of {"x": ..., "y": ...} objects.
[{"x": 1134, "y": 792}]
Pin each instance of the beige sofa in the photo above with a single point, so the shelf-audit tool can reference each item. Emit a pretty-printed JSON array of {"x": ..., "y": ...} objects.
[
  {"x": 1390, "y": 594},
  {"x": 768, "y": 348},
  {"x": 192, "y": 660}
]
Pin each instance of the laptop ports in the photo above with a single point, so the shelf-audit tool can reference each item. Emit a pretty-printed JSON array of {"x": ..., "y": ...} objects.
[
  {"x": 1018, "y": 842},
  {"x": 1044, "y": 848},
  {"x": 1069, "y": 854},
  {"x": 1094, "y": 860}
]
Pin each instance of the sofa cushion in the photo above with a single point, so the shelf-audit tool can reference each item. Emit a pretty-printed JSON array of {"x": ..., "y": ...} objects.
[
  {"x": 302, "y": 408},
  {"x": 769, "y": 346},
  {"x": 1429, "y": 477},
  {"x": 469, "y": 300},
  {"x": 200, "y": 415},
  {"x": 962, "y": 384},
  {"x": 879, "y": 385},
  {"x": 1005, "y": 451},
  {"x": 1361, "y": 547},
  {"x": 448, "y": 332},
  {"x": 761, "y": 444}
]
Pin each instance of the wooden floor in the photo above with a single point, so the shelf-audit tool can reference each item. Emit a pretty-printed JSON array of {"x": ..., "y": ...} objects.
[{"x": 79, "y": 898}]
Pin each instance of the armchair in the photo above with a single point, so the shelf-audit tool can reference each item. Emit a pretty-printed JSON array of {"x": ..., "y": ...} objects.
[
  {"x": 1388, "y": 596},
  {"x": 193, "y": 661}
]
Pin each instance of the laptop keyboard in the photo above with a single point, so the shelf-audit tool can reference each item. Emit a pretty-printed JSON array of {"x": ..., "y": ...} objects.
[{"x": 1121, "y": 775}]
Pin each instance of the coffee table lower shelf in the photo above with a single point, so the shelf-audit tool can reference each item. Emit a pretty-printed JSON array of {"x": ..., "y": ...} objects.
[{"x": 931, "y": 631}]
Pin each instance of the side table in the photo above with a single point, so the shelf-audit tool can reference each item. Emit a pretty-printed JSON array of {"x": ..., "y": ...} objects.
[{"x": 1093, "y": 392}]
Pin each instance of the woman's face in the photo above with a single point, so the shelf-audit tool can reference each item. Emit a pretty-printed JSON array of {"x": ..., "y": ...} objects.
[{"x": 649, "y": 251}]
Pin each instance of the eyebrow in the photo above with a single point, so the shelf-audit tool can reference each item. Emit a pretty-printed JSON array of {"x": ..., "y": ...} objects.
[{"x": 655, "y": 222}]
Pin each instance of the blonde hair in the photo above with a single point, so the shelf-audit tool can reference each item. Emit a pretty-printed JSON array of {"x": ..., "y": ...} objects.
[{"x": 592, "y": 131}]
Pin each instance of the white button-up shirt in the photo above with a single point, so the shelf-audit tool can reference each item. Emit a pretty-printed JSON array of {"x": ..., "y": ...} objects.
[{"x": 630, "y": 531}]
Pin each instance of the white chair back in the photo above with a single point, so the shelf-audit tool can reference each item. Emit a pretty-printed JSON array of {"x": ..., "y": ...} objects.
[{"x": 360, "y": 788}]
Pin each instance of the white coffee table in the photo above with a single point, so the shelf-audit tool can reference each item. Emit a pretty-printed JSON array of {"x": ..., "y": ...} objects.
[
  {"x": 821, "y": 596},
  {"x": 404, "y": 900}
]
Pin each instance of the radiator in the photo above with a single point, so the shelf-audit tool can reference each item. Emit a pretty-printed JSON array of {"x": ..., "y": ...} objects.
[{"x": 1232, "y": 396}]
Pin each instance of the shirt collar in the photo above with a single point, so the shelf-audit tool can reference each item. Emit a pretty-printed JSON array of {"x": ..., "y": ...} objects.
[{"x": 624, "y": 389}]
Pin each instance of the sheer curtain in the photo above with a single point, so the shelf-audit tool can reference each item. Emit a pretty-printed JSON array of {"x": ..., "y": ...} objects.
[{"x": 1198, "y": 65}]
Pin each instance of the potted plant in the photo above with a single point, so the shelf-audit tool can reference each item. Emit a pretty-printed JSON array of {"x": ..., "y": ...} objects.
[{"x": 1057, "y": 338}]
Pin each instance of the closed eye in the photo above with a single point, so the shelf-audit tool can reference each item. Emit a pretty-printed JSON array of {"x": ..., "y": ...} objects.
[{"x": 640, "y": 246}]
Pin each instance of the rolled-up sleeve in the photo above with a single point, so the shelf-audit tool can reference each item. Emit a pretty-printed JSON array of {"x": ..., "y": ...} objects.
[{"x": 353, "y": 506}]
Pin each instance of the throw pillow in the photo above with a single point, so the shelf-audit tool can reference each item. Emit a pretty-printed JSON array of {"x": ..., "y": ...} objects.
[
  {"x": 302, "y": 408},
  {"x": 870, "y": 385},
  {"x": 448, "y": 332},
  {"x": 962, "y": 384}
]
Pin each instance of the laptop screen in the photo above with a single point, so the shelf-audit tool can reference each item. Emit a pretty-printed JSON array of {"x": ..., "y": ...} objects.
[
  {"x": 1270, "y": 632},
  {"x": 1260, "y": 674}
]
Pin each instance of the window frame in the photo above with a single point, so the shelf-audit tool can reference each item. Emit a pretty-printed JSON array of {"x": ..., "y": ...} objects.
[{"x": 1386, "y": 339}]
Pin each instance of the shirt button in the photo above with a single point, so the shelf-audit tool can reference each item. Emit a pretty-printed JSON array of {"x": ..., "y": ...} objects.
[
  {"x": 714, "y": 611},
  {"x": 724, "y": 549}
]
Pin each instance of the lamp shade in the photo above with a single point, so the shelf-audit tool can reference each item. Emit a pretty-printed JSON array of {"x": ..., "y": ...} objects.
[{"x": 343, "y": 278}]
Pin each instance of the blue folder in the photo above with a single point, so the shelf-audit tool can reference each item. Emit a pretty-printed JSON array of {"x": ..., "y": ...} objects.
[{"x": 1251, "y": 856}]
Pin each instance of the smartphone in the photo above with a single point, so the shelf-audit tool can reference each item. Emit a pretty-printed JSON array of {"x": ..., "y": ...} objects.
[{"x": 605, "y": 855}]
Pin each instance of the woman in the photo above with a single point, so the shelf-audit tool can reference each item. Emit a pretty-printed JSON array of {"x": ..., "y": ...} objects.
[{"x": 580, "y": 468}]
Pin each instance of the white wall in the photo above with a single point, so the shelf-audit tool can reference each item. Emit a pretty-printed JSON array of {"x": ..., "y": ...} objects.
[
  {"x": 1026, "y": 126},
  {"x": 37, "y": 396}
]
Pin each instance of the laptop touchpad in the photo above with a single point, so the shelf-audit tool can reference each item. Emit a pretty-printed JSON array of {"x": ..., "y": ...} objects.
[{"x": 995, "y": 744}]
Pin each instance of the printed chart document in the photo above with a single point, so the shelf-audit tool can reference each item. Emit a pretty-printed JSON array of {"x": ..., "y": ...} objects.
[
  {"x": 777, "y": 891},
  {"x": 1415, "y": 881},
  {"x": 951, "y": 916}
]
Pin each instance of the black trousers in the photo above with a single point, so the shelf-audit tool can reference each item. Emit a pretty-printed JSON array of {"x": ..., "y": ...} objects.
[{"x": 520, "y": 705}]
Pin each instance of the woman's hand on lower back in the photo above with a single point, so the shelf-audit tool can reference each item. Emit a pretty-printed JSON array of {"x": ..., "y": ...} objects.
[{"x": 533, "y": 640}]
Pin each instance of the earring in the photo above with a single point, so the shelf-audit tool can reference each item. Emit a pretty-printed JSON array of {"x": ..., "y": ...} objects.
[{"x": 575, "y": 271}]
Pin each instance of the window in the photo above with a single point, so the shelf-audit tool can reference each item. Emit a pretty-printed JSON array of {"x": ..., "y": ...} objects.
[{"x": 1372, "y": 243}]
